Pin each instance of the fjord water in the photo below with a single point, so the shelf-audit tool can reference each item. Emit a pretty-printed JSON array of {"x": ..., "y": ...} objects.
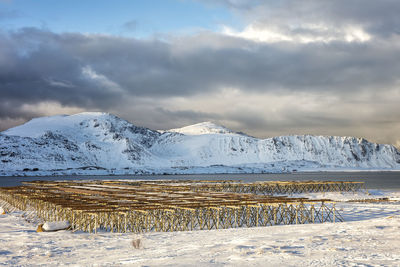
[{"x": 373, "y": 180}]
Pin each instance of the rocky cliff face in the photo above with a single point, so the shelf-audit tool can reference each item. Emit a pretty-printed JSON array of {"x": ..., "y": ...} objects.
[{"x": 89, "y": 143}]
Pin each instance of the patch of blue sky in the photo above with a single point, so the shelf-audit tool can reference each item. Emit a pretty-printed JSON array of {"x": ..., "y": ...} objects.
[{"x": 138, "y": 18}]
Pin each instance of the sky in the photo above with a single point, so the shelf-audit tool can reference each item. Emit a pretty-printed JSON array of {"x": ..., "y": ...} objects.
[{"x": 266, "y": 68}]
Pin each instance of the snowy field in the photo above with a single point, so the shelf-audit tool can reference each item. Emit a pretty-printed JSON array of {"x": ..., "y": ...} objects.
[{"x": 369, "y": 237}]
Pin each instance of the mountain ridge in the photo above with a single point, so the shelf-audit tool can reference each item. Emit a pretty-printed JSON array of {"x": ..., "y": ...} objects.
[
  {"x": 206, "y": 127},
  {"x": 92, "y": 143}
]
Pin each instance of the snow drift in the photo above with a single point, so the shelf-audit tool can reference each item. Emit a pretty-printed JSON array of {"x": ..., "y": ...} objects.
[
  {"x": 55, "y": 226},
  {"x": 101, "y": 143}
]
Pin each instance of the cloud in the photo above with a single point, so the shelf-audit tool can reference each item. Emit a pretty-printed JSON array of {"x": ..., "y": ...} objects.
[
  {"x": 35, "y": 66},
  {"x": 97, "y": 70},
  {"x": 269, "y": 114},
  {"x": 310, "y": 34},
  {"x": 57, "y": 83},
  {"x": 236, "y": 4},
  {"x": 318, "y": 20},
  {"x": 130, "y": 25}
]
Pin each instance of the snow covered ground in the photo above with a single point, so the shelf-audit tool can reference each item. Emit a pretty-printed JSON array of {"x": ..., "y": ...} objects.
[{"x": 369, "y": 237}]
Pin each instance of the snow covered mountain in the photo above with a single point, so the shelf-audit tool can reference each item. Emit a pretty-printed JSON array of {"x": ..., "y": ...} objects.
[
  {"x": 202, "y": 128},
  {"x": 101, "y": 143}
]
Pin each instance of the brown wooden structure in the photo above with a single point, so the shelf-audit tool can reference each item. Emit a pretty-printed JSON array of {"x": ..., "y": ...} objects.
[{"x": 142, "y": 206}]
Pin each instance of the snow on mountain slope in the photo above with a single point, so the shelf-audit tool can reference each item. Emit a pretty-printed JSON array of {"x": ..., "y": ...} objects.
[
  {"x": 89, "y": 142},
  {"x": 80, "y": 126},
  {"x": 81, "y": 140},
  {"x": 205, "y": 150},
  {"x": 202, "y": 128}
]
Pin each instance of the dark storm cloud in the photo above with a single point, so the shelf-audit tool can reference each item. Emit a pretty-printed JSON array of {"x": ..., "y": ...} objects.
[
  {"x": 82, "y": 70},
  {"x": 97, "y": 71},
  {"x": 155, "y": 68},
  {"x": 12, "y": 110},
  {"x": 35, "y": 67}
]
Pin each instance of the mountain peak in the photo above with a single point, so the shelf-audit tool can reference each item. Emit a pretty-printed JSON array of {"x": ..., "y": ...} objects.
[
  {"x": 203, "y": 128},
  {"x": 59, "y": 123},
  {"x": 91, "y": 113}
]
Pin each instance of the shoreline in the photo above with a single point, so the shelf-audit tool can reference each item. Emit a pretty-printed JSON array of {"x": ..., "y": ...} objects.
[{"x": 380, "y": 180}]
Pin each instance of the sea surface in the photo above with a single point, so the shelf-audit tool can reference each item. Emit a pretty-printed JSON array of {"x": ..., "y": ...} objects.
[{"x": 373, "y": 180}]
